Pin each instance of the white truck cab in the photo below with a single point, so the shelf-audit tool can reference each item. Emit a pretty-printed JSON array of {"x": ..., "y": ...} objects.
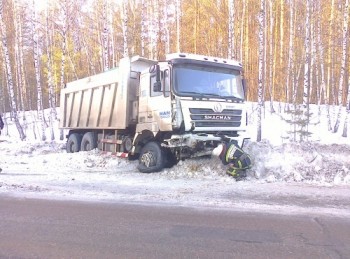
[{"x": 190, "y": 103}]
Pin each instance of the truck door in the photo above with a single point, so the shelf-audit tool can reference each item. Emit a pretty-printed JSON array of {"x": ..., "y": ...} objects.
[{"x": 155, "y": 106}]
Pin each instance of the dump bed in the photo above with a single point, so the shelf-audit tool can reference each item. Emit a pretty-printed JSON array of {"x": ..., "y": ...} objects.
[{"x": 104, "y": 101}]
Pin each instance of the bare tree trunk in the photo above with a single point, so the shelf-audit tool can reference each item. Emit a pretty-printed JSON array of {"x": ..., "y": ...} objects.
[
  {"x": 92, "y": 69},
  {"x": 166, "y": 27},
  {"x": 241, "y": 56},
  {"x": 125, "y": 28},
  {"x": 111, "y": 38},
  {"x": 64, "y": 48},
  {"x": 275, "y": 61},
  {"x": 281, "y": 39},
  {"x": 17, "y": 21},
  {"x": 37, "y": 76},
  {"x": 105, "y": 37},
  {"x": 52, "y": 103},
  {"x": 143, "y": 26},
  {"x": 307, "y": 63},
  {"x": 343, "y": 64},
  {"x": 9, "y": 75},
  {"x": 151, "y": 30},
  {"x": 329, "y": 61},
  {"x": 158, "y": 27},
  {"x": 261, "y": 66},
  {"x": 271, "y": 43},
  {"x": 196, "y": 25},
  {"x": 345, "y": 128},
  {"x": 320, "y": 49},
  {"x": 313, "y": 53},
  {"x": 231, "y": 32},
  {"x": 178, "y": 15},
  {"x": 290, "y": 65}
]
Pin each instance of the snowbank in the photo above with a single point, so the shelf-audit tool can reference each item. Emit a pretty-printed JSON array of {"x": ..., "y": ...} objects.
[
  {"x": 286, "y": 176},
  {"x": 307, "y": 162}
]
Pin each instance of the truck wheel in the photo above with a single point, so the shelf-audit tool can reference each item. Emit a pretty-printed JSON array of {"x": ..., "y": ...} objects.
[
  {"x": 170, "y": 158},
  {"x": 127, "y": 144},
  {"x": 151, "y": 158},
  {"x": 89, "y": 141},
  {"x": 73, "y": 143}
]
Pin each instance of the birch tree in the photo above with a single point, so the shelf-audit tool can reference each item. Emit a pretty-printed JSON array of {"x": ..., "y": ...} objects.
[
  {"x": 329, "y": 61},
  {"x": 281, "y": 39},
  {"x": 125, "y": 28},
  {"x": 274, "y": 55},
  {"x": 261, "y": 66},
  {"x": 143, "y": 26},
  {"x": 290, "y": 65},
  {"x": 231, "y": 34},
  {"x": 347, "y": 114},
  {"x": 244, "y": 8},
  {"x": 111, "y": 38},
  {"x": 105, "y": 37},
  {"x": 9, "y": 74},
  {"x": 320, "y": 49},
  {"x": 306, "y": 63},
  {"x": 64, "y": 17},
  {"x": 52, "y": 103},
  {"x": 178, "y": 15},
  {"x": 153, "y": 28},
  {"x": 313, "y": 53},
  {"x": 271, "y": 43},
  {"x": 165, "y": 27},
  {"x": 19, "y": 57},
  {"x": 343, "y": 64},
  {"x": 37, "y": 75}
]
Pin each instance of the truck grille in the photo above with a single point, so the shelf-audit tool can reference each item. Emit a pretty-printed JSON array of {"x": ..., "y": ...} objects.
[{"x": 209, "y": 118}]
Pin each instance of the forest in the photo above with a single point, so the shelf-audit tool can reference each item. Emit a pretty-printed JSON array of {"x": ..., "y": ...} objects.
[{"x": 293, "y": 51}]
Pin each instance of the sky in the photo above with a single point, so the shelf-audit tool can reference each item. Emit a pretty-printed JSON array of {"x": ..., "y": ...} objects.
[{"x": 318, "y": 170}]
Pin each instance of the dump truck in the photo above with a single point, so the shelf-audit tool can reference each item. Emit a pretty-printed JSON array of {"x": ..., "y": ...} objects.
[{"x": 158, "y": 112}]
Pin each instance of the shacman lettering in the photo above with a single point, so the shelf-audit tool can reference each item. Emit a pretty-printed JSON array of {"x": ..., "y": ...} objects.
[{"x": 217, "y": 117}]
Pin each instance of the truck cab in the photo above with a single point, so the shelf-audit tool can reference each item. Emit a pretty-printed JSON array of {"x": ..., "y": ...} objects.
[{"x": 187, "y": 105}]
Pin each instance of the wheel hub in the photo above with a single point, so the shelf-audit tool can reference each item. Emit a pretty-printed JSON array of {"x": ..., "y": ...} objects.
[{"x": 148, "y": 159}]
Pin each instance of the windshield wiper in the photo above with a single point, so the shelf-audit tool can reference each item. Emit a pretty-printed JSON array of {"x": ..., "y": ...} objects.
[
  {"x": 215, "y": 95},
  {"x": 232, "y": 97},
  {"x": 201, "y": 94},
  {"x": 189, "y": 92}
]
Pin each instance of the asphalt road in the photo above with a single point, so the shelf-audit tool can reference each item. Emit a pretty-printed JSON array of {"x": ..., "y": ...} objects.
[{"x": 66, "y": 229}]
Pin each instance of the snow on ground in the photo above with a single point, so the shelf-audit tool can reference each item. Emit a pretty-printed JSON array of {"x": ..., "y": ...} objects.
[{"x": 287, "y": 177}]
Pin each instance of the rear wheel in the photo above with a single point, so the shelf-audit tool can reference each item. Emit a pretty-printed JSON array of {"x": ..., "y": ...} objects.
[
  {"x": 151, "y": 158},
  {"x": 89, "y": 141},
  {"x": 127, "y": 144},
  {"x": 73, "y": 143}
]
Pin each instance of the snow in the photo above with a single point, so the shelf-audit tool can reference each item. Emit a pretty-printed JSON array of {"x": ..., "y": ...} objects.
[{"x": 287, "y": 177}]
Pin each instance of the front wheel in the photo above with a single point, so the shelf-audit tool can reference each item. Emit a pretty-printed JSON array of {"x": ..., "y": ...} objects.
[{"x": 151, "y": 158}]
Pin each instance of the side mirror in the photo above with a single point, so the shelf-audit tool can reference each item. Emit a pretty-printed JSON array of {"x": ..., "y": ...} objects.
[
  {"x": 244, "y": 84},
  {"x": 157, "y": 86}
]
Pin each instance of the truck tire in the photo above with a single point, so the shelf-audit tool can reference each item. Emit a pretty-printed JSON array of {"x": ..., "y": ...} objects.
[
  {"x": 151, "y": 158},
  {"x": 89, "y": 141},
  {"x": 170, "y": 159},
  {"x": 127, "y": 144},
  {"x": 73, "y": 143}
]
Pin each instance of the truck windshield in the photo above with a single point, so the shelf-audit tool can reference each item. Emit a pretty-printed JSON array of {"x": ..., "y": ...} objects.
[{"x": 191, "y": 80}]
